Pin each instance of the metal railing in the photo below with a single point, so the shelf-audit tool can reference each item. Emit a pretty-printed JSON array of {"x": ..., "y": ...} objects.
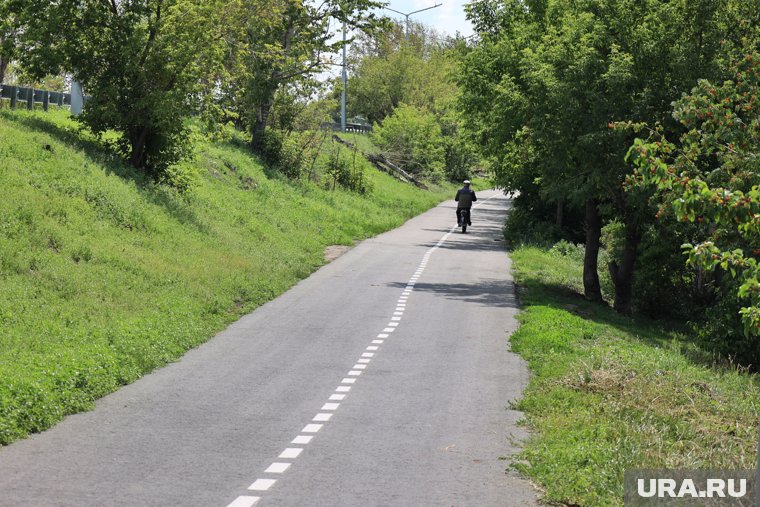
[
  {"x": 350, "y": 127},
  {"x": 19, "y": 96}
]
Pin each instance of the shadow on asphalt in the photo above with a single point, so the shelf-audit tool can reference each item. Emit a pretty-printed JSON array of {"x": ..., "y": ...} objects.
[
  {"x": 484, "y": 235},
  {"x": 488, "y": 292},
  {"x": 479, "y": 237},
  {"x": 443, "y": 230}
]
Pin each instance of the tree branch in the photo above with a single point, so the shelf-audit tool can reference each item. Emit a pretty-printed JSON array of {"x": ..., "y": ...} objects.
[
  {"x": 153, "y": 34},
  {"x": 112, "y": 5}
]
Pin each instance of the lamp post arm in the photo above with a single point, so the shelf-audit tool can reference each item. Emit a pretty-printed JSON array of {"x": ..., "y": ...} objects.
[
  {"x": 407, "y": 14},
  {"x": 425, "y": 9},
  {"x": 394, "y": 10}
]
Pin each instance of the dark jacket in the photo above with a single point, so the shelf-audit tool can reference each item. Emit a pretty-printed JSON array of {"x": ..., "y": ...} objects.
[{"x": 465, "y": 197}]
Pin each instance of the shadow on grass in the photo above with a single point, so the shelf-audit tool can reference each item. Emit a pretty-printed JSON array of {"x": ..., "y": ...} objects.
[
  {"x": 107, "y": 156},
  {"x": 654, "y": 333},
  {"x": 244, "y": 147}
]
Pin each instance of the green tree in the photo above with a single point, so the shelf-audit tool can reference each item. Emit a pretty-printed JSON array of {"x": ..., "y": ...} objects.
[
  {"x": 9, "y": 34},
  {"x": 141, "y": 63},
  {"x": 285, "y": 43},
  {"x": 421, "y": 72},
  {"x": 411, "y": 138},
  {"x": 711, "y": 177},
  {"x": 546, "y": 80},
  {"x": 387, "y": 71}
]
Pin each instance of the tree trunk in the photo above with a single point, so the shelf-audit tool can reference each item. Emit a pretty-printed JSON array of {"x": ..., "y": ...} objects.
[
  {"x": 591, "y": 289},
  {"x": 137, "y": 144},
  {"x": 622, "y": 275},
  {"x": 259, "y": 126},
  {"x": 560, "y": 212},
  {"x": 3, "y": 66}
]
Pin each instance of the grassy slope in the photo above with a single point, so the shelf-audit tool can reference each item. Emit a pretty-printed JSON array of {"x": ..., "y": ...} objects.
[
  {"x": 361, "y": 141},
  {"x": 609, "y": 393},
  {"x": 105, "y": 276}
]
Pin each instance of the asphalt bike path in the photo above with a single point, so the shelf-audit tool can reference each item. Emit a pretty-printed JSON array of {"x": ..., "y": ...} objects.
[{"x": 382, "y": 379}]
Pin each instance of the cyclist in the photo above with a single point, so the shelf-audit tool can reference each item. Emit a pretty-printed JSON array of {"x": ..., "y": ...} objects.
[{"x": 465, "y": 197}]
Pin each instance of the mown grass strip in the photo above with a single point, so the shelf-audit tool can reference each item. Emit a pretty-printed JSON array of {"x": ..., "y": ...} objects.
[
  {"x": 610, "y": 393},
  {"x": 105, "y": 275}
]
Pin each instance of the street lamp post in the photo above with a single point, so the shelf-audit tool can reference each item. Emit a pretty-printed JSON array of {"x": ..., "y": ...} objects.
[
  {"x": 343, "y": 91},
  {"x": 407, "y": 14}
]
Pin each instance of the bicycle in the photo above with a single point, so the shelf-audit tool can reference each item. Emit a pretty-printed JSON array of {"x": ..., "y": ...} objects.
[{"x": 464, "y": 218}]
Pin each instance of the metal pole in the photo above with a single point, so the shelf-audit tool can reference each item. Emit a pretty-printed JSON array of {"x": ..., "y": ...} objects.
[
  {"x": 407, "y": 14},
  {"x": 343, "y": 91}
]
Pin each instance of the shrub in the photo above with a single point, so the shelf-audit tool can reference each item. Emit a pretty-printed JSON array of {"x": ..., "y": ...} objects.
[
  {"x": 182, "y": 177},
  {"x": 663, "y": 286},
  {"x": 564, "y": 248},
  {"x": 412, "y": 139},
  {"x": 346, "y": 168},
  {"x": 523, "y": 227},
  {"x": 283, "y": 153},
  {"x": 709, "y": 179},
  {"x": 721, "y": 330},
  {"x": 460, "y": 156}
]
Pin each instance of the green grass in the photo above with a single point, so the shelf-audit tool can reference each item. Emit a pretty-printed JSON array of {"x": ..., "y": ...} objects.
[
  {"x": 610, "y": 393},
  {"x": 105, "y": 275},
  {"x": 361, "y": 141}
]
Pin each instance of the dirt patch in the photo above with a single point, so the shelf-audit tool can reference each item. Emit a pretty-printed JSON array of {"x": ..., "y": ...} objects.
[{"x": 332, "y": 252}]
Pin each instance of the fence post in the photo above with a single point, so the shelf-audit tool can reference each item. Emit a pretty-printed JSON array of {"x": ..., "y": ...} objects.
[
  {"x": 45, "y": 100},
  {"x": 14, "y": 96}
]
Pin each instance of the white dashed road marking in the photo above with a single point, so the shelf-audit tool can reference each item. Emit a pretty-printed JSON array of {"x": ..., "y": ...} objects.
[
  {"x": 262, "y": 484},
  {"x": 277, "y": 468},
  {"x": 321, "y": 417},
  {"x": 290, "y": 453},
  {"x": 244, "y": 501}
]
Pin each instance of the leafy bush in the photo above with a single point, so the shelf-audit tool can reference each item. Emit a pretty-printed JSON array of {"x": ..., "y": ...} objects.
[
  {"x": 721, "y": 330},
  {"x": 663, "y": 286},
  {"x": 346, "y": 168},
  {"x": 182, "y": 177},
  {"x": 460, "y": 156},
  {"x": 564, "y": 248},
  {"x": 523, "y": 228},
  {"x": 283, "y": 153},
  {"x": 709, "y": 178},
  {"x": 412, "y": 139}
]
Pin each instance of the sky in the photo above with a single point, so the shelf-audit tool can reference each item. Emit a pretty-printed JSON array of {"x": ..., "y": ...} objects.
[{"x": 449, "y": 17}]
